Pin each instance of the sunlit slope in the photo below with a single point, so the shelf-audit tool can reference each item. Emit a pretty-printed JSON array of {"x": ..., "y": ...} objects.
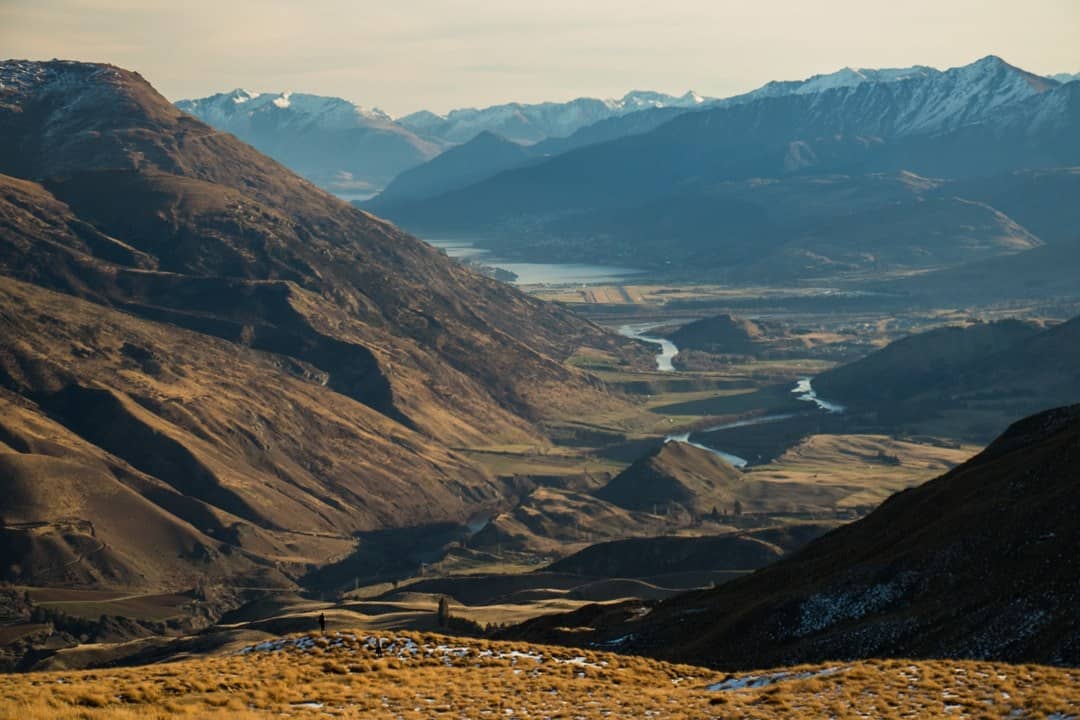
[{"x": 423, "y": 676}]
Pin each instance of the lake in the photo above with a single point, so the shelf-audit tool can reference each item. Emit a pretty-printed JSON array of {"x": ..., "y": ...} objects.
[{"x": 538, "y": 273}]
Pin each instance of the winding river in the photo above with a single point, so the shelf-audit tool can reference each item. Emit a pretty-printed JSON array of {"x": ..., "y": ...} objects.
[
  {"x": 667, "y": 348},
  {"x": 733, "y": 460},
  {"x": 803, "y": 391}
]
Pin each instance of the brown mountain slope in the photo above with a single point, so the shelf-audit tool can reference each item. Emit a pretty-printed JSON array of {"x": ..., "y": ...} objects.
[
  {"x": 979, "y": 563},
  {"x": 246, "y": 446},
  {"x": 550, "y": 519},
  {"x": 74, "y": 515},
  {"x": 271, "y": 368},
  {"x": 230, "y": 243}
]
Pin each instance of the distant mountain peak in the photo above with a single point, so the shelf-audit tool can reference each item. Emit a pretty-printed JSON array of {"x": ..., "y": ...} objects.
[
  {"x": 240, "y": 95},
  {"x": 490, "y": 136},
  {"x": 992, "y": 62},
  {"x": 844, "y": 77},
  {"x": 989, "y": 63},
  {"x": 332, "y": 141},
  {"x": 530, "y": 123},
  {"x": 222, "y": 109}
]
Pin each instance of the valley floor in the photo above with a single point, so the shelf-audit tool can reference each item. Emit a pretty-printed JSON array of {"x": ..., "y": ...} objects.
[
  {"x": 424, "y": 675},
  {"x": 822, "y": 469}
]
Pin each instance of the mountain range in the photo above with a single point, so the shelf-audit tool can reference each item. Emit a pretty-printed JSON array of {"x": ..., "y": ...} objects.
[
  {"x": 196, "y": 333},
  {"x": 215, "y": 373},
  {"x": 355, "y": 151},
  {"x": 332, "y": 142},
  {"x": 531, "y": 123},
  {"x": 786, "y": 183},
  {"x": 484, "y": 157}
]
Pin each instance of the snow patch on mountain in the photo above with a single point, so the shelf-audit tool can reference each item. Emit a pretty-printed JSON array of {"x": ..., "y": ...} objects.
[
  {"x": 909, "y": 101},
  {"x": 238, "y": 110},
  {"x": 843, "y": 78},
  {"x": 346, "y": 148}
]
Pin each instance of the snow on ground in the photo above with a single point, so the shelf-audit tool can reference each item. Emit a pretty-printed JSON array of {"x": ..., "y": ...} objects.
[
  {"x": 759, "y": 681},
  {"x": 406, "y": 649},
  {"x": 614, "y": 642}
]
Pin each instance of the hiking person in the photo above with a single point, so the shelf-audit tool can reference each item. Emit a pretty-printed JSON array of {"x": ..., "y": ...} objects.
[{"x": 322, "y": 623}]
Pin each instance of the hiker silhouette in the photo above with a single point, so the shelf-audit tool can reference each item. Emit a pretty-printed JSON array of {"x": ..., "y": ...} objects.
[{"x": 322, "y": 622}]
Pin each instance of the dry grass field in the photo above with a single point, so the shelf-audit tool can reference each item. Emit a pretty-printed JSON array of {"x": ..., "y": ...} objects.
[
  {"x": 424, "y": 676},
  {"x": 854, "y": 462}
]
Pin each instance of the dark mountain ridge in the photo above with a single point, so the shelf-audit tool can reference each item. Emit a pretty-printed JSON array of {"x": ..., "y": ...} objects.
[
  {"x": 1020, "y": 365},
  {"x": 485, "y": 155}
]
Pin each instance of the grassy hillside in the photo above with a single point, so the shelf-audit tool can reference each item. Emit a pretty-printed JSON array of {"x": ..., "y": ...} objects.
[{"x": 423, "y": 676}]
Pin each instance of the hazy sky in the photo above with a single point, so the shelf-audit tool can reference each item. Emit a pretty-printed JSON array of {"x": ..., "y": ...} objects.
[{"x": 404, "y": 55}]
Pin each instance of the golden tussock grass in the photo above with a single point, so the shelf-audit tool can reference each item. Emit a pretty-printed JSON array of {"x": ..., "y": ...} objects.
[{"x": 448, "y": 677}]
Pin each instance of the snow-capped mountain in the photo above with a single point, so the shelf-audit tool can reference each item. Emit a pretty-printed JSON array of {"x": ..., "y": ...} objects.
[
  {"x": 901, "y": 103},
  {"x": 845, "y": 77},
  {"x": 907, "y": 101},
  {"x": 355, "y": 150},
  {"x": 532, "y": 123},
  {"x": 610, "y": 200},
  {"x": 1065, "y": 77},
  {"x": 348, "y": 149},
  {"x": 240, "y": 110}
]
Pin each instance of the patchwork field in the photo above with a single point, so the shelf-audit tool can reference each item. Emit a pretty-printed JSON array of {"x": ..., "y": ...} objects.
[{"x": 414, "y": 675}]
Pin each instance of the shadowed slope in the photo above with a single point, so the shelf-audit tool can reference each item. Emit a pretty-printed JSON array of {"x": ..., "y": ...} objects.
[
  {"x": 1012, "y": 365},
  {"x": 979, "y": 563}
]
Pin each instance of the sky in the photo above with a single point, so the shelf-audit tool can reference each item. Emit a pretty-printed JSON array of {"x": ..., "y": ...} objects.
[{"x": 407, "y": 55}]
